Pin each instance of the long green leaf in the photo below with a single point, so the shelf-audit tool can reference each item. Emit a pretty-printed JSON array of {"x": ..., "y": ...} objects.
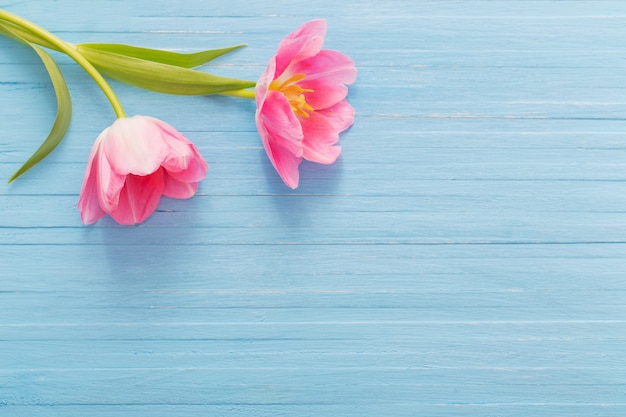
[
  {"x": 188, "y": 60},
  {"x": 63, "y": 117},
  {"x": 156, "y": 76},
  {"x": 22, "y": 35}
]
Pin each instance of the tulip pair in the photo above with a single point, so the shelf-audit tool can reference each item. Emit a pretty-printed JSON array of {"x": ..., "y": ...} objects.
[{"x": 301, "y": 109}]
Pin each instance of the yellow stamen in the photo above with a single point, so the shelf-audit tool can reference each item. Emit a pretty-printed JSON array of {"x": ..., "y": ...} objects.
[{"x": 294, "y": 93}]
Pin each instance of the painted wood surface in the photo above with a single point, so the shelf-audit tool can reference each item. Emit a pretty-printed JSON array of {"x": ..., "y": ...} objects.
[{"x": 464, "y": 257}]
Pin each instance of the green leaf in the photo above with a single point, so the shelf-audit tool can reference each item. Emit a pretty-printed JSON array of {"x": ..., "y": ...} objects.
[
  {"x": 25, "y": 36},
  {"x": 164, "y": 57},
  {"x": 159, "y": 77},
  {"x": 63, "y": 117}
]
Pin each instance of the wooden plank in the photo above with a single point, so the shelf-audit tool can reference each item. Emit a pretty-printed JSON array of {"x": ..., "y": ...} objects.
[{"x": 465, "y": 256}]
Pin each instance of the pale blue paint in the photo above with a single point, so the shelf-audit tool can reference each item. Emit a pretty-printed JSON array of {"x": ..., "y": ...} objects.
[{"x": 465, "y": 257}]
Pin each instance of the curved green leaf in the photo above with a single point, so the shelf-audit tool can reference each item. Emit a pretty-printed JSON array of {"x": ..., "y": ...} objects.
[
  {"x": 63, "y": 117},
  {"x": 189, "y": 60},
  {"x": 22, "y": 35},
  {"x": 159, "y": 77}
]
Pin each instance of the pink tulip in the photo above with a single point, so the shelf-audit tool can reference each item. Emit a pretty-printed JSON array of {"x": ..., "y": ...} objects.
[
  {"x": 132, "y": 163},
  {"x": 301, "y": 101}
]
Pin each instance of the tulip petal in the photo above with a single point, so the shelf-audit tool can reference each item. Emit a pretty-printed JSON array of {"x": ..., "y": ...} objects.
[
  {"x": 285, "y": 163},
  {"x": 326, "y": 74},
  {"x": 281, "y": 123},
  {"x": 109, "y": 184},
  {"x": 320, "y": 137},
  {"x": 304, "y": 42},
  {"x": 188, "y": 168},
  {"x": 263, "y": 83},
  {"x": 138, "y": 198},
  {"x": 174, "y": 188},
  {"x": 328, "y": 65},
  {"x": 183, "y": 160},
  {"x": 134, "y": 146},
  {"x": 195, "y": 171},
  {"x": 341, "y": 115},
  {"x": 315, "y": 27},
  {"x": 88, "y": 203}
]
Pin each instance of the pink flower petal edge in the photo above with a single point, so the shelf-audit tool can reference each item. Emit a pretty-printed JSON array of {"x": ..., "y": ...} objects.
[
  {"x": 301, "y": 101},
  {"x": 132, "y": 164}
]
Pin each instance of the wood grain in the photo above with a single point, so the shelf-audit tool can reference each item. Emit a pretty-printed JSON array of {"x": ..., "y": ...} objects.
[{"x": 464, "y": 257}]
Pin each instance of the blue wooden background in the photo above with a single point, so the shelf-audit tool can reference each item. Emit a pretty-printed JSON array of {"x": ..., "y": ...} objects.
[{"x": 464, "y": 257}]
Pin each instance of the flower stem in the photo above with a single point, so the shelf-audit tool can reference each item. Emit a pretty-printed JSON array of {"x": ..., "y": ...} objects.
[
  {"x": 249, "y": 94},
  {"x": 71, "y": 51}
]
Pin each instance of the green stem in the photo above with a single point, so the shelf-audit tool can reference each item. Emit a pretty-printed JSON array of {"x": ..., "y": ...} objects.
[
  {"x": 71, "y": 51},
  {"x": 19, "y": 34},
  {"x": 249, "y": 94}
]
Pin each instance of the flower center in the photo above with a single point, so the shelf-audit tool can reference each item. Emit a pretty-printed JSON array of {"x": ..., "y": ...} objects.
[{"x": 294, "y": 93}]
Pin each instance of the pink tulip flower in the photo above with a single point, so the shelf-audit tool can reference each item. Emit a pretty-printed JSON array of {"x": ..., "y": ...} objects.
[
  {"x": 301, "y": 101},
  {"x": 132, "y": 163}
]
